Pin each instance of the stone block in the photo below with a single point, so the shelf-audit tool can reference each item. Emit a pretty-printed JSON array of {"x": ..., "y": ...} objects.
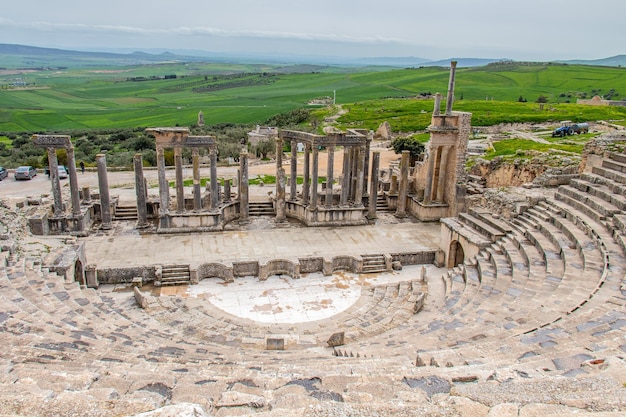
[
  {"x": 337, "y": 339},
  {"x": 275, "y": 344}
]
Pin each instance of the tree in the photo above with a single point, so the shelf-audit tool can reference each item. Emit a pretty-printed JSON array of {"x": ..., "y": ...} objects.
[
  {"x": 411, "y": 144},
  {"x": 542, "y": 99}
]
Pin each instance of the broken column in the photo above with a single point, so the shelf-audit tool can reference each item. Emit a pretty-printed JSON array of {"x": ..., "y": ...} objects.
[
  {"x": 294, "y": 171},
  {"x": 450, "y": 98},
  {"x": 180, "y": 186},
  {"x": 164, "y": 187},
  {"x": 329, "y": 176},
  {"x": 103, "y": 184}
]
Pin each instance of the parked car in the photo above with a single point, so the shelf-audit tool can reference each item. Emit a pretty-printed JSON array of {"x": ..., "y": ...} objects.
[
  {"x": 25, "y": 173},
  {"x": 3, "y": 173},
  {"x": 62, "y": 172}
]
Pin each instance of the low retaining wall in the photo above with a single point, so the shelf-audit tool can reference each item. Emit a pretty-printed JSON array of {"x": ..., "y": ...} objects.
[{"x": 291, "y": 267}]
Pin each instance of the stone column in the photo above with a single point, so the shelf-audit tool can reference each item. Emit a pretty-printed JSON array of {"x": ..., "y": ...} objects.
[
  {"x": 393, "y": 189},
  {"x": 354, "y": 168},
  {"x": 450, "y": 98},
  {"x": 404, "y": 184},
  {"x": 443, "y": 166},
  {"x": 197, "y": 190},
  {"x": 281, "y": 213},
  {"x": 429, "y": 175},
  {"x": 140, "y": 190},
  {"x": 71, "y": 166},
  {"x": 345, "y": 183},
  {"x": 373, "y": 196},
  {"x": 306, "y": 182},
  {"x": 103, "y": 184},
  {"x": 437, "y": 109},
  {"x": 53, "y": 166},
  {"x": 360, "y": 177},
  {"x": 329, "y": 176},
  {"x": 294, "y": 171},
  {"x": 226, "y": 191},
  {"x": 164, "y": 187},
  {"x": 314, "y": 176},
  {"x": 214, "y": 192},
  {"x": 180, "y": 187},
  {"x": 244, "y": 208},
  {"x": 366, "y": 166}
]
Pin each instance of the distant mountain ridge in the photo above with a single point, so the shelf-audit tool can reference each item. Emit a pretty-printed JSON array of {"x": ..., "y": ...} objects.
[{"x": 33, "y": 56}]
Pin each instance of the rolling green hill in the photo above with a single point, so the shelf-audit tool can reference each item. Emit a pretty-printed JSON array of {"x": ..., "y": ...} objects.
[{"x": 171, "y": 94}]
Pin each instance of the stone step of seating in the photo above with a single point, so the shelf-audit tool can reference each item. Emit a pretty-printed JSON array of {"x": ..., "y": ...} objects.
[
  {"x": 471, "y": 288},
  {"x": 175, "y": 275},
  {"x": 480, "y": 226},
  {"x": 264, "y": 208},
  {"x": 465, "y": 230},
  {"x": 595, "y": 204},
  {"x": 614, "y": 164},
  {"x": 373, "y": 263},
  {"x": 601, "y": 191},
  {"x": 615, "y": 187},
  {"x": 489, "y": 218},
  {"x": 611, "y": 174},
  {"x": 125, "y": 213},
  {"x": 618, "y": 157}
]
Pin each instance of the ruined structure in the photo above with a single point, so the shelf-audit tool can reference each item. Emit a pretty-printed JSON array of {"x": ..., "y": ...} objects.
[{"x": 327, "y": 208}]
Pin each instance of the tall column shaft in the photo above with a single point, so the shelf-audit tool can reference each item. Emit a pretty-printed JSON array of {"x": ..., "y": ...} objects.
[
  {"x": 314, "y": 177},
  {"x": 197, "y": 190},
  {"x": 281, "y": 214},
  {"x": 366, "y": 166},
  {"x": 404, "y": 184},
  {"x": 180, "y": 186},
  {"x": 373, "y": 195},
  {"x": 345, "y": 183},
  {"x": 443, "y": 166},
  {"x": 54, "y": 179},
  {"x": 140, "y": 191},
  {"x": 214, "y": 185},
  {"x": 329, "y": 176},
  {"x": 429, "y": 176},
  {"x": 244, "y": 208},
  {"x": 360, "y": 177},
  {"x": 294, "y": 170},
  {"x": 450, "y": 98},
  {"x": 103, "y": 184},
  {"x": 164, "y": 187},
  {"x": 74, "y": 194},
  {"x": 306, "y": 182}
]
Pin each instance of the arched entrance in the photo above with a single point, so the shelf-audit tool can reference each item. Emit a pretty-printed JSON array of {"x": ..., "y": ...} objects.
[{"x": 456, "y": 254}]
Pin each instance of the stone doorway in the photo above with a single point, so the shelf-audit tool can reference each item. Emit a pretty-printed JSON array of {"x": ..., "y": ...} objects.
[{"x": 457, "y": 254}]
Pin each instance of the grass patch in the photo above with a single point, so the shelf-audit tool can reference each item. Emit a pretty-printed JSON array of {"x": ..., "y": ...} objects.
[{"x": 526, "y": 148}]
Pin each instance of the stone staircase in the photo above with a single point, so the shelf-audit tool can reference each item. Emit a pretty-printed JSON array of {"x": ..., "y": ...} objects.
[
  {"x": 175, "y": 275},
  {"x": 261, "y": 208},
  {"x": 125, "y": 213},
  {"x": 373, "y": 263},
  {"x": 381, "y": 203}
]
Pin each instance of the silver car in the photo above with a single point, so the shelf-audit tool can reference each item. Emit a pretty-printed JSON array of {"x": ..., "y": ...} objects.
[{"x": 25, "y": 173}]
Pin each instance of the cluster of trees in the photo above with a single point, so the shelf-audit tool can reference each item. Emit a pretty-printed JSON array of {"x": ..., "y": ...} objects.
[{"x": 120, "y": 145}]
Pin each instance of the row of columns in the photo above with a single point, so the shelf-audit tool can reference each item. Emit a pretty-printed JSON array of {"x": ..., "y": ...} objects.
[
  {"x": 164, "y": 194},
  {"x": 353, "y": 185}
]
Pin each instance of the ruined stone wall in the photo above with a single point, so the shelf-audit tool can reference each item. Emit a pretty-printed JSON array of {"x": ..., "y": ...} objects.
[{"x": 456, "y": 177}]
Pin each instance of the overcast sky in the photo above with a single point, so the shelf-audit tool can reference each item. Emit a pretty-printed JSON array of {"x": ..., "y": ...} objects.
[{"x": 518, "y": 29}]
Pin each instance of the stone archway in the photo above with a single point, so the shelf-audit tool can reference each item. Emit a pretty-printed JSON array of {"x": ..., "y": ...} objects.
[
  {"x": 456, "y": 254},
  {"x": 79, "y": 273}
]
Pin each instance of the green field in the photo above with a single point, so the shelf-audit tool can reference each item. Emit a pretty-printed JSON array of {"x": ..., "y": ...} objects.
[{"x": 103, "y": 97}]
